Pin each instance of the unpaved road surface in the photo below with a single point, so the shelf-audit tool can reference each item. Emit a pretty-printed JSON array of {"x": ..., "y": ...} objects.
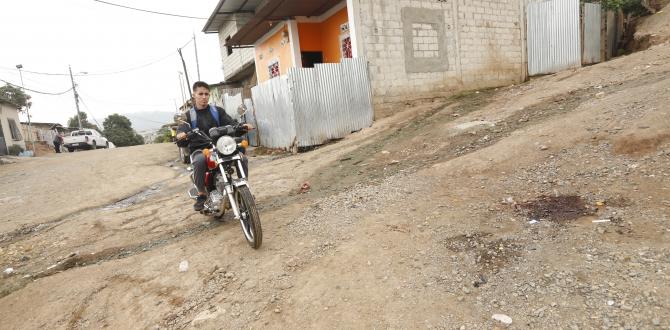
[{"x": 547, "y": 202}]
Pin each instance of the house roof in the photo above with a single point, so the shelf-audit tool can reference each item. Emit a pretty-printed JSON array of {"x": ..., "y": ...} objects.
[
  {"x": 41, "y": 124},
  {"x": 225, "y": 10},
  {"x": 270, "y": 11}
]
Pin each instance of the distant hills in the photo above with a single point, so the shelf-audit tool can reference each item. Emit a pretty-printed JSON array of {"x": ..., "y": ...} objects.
[{"x": 149, "y": 120}]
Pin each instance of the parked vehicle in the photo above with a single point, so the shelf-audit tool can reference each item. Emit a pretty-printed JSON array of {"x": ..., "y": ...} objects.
[
  {"x": 224, "y": 158},
  {"x": 85, "y": 139}
]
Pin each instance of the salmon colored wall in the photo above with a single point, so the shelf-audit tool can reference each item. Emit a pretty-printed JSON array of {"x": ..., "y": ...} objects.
[
  {"x": 280, "y": 52},
  {"x": 324, "y": 36},
  {"x": 330, "y": 30}
]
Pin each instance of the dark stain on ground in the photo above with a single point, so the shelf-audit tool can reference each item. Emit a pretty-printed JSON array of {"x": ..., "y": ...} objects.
[
  {"x": 558, "y": 209},
  {"x": 638, "y": 146}
]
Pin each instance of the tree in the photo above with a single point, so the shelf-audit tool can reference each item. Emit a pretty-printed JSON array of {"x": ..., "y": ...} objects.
[
  {"x": 119, "y": 130},
  {"x": 627, "y": 6},
  {"x": 164, "y": 134},
  {"x": 73, "y": 122},
  {"x": 15, "y": 96}
]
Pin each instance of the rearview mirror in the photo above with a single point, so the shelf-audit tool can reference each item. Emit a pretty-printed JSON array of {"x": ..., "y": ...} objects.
[
  {"x": 241, "y": 110},
  {"x": 184, "y": 122}
]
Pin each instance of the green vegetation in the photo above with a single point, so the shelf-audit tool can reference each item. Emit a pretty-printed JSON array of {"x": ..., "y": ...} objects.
[
  {"x": 119, "y": 130},
  {"x": 73, "y": 122},
  {"x": 15, "y": 96},
  {"x": 164, "y": 134},
  {"x": 15, "y": 149}
]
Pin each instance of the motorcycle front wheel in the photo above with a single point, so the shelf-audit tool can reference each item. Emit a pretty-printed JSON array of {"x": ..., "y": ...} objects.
[{"x": 249, "y": 219}]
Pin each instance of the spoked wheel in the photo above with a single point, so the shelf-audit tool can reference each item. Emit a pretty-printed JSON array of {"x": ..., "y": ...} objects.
[{"x": 249, "y": 219}]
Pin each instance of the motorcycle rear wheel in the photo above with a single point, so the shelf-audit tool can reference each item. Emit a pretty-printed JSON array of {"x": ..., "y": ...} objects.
[{"x": 249, "y": 218}]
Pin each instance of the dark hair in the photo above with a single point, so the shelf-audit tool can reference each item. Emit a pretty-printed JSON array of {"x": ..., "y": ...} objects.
[{"x": 200, "y": 84}]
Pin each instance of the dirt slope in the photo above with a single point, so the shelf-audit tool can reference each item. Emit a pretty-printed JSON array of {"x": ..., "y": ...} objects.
[
  {"x": 653, "y": 29},
  {"x": 438, "y": 217}
]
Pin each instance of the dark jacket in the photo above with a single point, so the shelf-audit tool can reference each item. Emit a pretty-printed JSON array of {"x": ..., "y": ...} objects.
[{"x": 205, "y": 122}]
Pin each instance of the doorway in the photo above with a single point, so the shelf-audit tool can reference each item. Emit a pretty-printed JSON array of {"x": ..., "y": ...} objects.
[{"x": 311, "y": 58}]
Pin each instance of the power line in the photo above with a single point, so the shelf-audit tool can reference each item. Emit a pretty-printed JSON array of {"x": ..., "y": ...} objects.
[
  {"x": 149, "y": 11},
  {"x": 34, "y": 91},
  {"x": 89, "y": 112},
  {"x": 105, "y": 73},
  {"x": 101, "y": 73}
]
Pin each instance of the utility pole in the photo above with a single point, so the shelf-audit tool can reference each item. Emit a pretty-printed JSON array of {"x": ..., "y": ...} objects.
[
  {"x": 197, "y": 63},
  {"x": 188, "y": 83},
  {"x": 76, "y": 96},
  {"x": 181, "y": 88},
  {"x": 30, "y": 129}
]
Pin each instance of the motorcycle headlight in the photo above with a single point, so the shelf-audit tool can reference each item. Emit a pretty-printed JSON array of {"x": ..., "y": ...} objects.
[{"x": 226, "y": 145}]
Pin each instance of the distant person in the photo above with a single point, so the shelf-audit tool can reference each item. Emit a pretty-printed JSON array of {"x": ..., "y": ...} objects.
[{"x": 58, "y": 141}]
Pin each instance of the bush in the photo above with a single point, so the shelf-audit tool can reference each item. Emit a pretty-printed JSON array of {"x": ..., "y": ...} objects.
[{"x": 15, "y": 150}]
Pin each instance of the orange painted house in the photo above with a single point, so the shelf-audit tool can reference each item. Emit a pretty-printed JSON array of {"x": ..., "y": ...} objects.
[
  {"x": 414, "y": 49},
  {"x": 303, "y": 42}
]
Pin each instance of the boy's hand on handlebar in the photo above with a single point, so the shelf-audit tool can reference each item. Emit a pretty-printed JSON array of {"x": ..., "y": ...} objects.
[
  {"x": 248, "y": 127},
  {"x": 181, "y": 136}
]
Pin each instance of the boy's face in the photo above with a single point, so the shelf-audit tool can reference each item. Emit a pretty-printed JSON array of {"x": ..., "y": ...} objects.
[{"x": 201, "y": 96}]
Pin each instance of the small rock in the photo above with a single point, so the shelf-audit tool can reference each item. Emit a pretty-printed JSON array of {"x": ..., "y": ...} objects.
[
  {"x": 502, "y": 318},
  {"x": 9, "y": 271},
  {"x": 277, "y": 310},
  {"x": 183, "y": 266},
  {"x": 543, "y": 147},
  {"x": 656, "y": 321},
  {"x": 610, "y": 303},
  {"x": 305, "y": 187},
  {"x": 600, "y": 95}
]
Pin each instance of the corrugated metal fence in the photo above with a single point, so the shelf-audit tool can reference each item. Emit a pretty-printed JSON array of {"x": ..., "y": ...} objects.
[
  {"x": 310, "y": 106},
  {"x": 553, "y": 36},
  {"x": 592, "y": 26}
]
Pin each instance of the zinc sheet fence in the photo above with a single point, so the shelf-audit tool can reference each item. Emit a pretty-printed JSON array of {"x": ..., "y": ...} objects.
[
  {"x": 592, "y": 26},
  {"x": 553, "y": 36},
  {"x": 310, "y": 106},
  {"x": 274, "y": 113}
]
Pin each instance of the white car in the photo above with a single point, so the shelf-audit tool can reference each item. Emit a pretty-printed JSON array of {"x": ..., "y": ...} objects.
[{"x": 85, "y": 139}]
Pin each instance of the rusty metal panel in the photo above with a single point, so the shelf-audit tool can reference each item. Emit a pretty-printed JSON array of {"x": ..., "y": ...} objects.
[
  {"x": 592, "y": 23},
  {"x": 553, "y": 36},
  {"x": 275, "y": 116}
]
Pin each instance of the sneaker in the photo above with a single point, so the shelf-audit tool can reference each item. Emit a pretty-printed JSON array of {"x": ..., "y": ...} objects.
[{"x": 199, "y": 203}]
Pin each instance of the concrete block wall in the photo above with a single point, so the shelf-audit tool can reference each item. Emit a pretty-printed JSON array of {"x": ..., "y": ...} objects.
[
  {"x": 480, "y": 41},
  {"x": 232, "y": 64}
]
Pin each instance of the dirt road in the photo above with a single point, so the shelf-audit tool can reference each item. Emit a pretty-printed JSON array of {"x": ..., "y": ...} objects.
[{"x": 547, "y": 202}]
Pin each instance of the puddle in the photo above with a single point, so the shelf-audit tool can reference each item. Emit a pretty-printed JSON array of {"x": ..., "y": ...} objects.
[{"x": 134, "y": 199}]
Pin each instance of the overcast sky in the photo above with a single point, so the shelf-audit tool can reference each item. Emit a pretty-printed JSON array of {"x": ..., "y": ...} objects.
[{"x": 49, "y": 35}]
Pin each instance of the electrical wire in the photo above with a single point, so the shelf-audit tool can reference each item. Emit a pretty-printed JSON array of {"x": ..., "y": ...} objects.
[
  {"x": 90, "y": 113},
  {"x": 34, "y": 91},
  {"x": 105, "y": 73},
  {"x": 149, "y": 11}
]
